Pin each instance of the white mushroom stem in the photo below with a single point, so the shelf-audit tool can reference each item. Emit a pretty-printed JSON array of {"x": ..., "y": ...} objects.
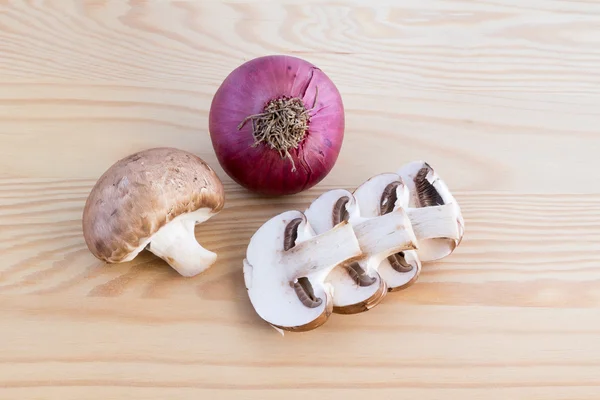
[
  {"x": 321, "y": 252},
  {"x": 177, "y": 245},
  {"x": 435, "y": 222},
  {"x": 385, "y": 235}
]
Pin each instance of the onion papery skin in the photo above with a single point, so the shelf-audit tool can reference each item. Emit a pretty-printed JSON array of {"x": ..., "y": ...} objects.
[{"x": 246, "y": 91}]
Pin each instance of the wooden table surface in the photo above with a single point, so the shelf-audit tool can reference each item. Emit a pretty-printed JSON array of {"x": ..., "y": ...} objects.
[{"x": 502, "y": 98}]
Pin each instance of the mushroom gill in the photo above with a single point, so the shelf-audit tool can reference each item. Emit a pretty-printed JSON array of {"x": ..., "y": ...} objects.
[
  {"x": 398, "y": 262},
  {"x": 291, "y": 234},
  {"x": 389, "y": 198},
  {"x": 306, "y": 294},
  {"x": 359, "y": 275},
  {"x": 340, "y": 213},
  {"x": 427, "y": 194}
]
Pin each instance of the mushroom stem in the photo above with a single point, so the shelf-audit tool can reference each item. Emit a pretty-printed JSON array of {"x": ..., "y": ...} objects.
[
  {"x": 322, "y": 252},
  {"x": 177, "y": 245},
  {"x": 385, "y": 235},
  {"x": 435, "y": 222}
]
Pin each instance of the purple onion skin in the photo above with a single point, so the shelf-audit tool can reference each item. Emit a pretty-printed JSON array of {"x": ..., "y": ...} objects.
[{"x": 246, "y": 91}]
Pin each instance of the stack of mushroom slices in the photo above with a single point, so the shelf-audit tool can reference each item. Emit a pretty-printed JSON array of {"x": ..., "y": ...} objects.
[{"x": 348, "y": 250}]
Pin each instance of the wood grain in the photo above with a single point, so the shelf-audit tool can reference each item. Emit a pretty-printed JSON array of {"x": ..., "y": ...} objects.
[{"x": 502, "y": 98}]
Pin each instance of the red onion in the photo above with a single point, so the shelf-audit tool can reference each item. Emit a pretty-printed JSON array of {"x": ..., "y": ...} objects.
[{"x": 277, "y": 125}]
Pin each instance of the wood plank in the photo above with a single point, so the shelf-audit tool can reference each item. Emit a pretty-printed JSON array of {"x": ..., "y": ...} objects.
[
  {"x": 538, "y": 250},
  {"x": 104, "y": 79}
]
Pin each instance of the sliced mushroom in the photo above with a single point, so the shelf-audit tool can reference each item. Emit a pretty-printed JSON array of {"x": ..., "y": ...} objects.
[
  {"x": 152, "y": 200},
  {"x": 378, "y": 196},
  {"x": 357, "y": 285},
  {"x": 433, "y": 211},
  {"x": 285, "y": 269}
]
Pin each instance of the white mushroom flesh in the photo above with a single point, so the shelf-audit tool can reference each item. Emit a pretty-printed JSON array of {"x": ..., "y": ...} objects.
[{"x": 176, "y": 244}]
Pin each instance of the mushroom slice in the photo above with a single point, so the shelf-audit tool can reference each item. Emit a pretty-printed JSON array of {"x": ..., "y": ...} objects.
[
  {"x": 357, "y": 285},
  {"x": 433, "y": 211},
  {"x": 378, "y": 196},
  {"x": 152, "y": 200},
  {"x": 285, "y": 269}
]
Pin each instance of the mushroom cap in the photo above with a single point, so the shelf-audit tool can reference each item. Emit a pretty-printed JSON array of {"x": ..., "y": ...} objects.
[{"x": 141, "y": 193}]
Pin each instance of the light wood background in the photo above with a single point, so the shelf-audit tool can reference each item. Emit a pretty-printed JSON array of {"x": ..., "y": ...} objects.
[{"x": 501, "y": 97}]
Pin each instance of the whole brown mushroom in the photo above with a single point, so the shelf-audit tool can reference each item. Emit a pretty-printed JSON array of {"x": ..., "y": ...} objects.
[{"x": 152, "y": 200}]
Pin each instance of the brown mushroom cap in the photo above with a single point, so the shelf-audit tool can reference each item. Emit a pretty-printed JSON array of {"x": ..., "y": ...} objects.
[{"x": 140, "y": 194}]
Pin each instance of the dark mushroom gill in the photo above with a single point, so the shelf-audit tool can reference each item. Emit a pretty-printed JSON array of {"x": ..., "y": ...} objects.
[
  {"x": 389, "y": 197},
  {"x": 340, "y": 213},
  {"x": 305, "y": 293},
  {"x": 427, "y": 194},
  {"x": 398, "y": 262},
  {"x": 359, "y": 275}
]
